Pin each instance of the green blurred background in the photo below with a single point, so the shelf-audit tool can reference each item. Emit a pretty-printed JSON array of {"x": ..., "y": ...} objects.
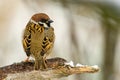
[{"x": 87, "y": 32}]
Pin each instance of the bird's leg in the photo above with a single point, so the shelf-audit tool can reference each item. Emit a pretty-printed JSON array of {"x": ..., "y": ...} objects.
[
  {"x": 44, "y": 63},
  {"x": 27, "y": 59}
]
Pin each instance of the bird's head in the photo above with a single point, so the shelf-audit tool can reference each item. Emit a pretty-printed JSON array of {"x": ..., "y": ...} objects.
[{"x": 42, "y": 19}]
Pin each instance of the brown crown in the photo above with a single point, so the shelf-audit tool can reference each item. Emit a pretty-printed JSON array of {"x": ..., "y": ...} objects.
[{"x": 39, "y": 16}]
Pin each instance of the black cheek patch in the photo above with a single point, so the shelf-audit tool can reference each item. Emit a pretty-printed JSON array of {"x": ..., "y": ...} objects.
[{"x": 48, "y": 24}]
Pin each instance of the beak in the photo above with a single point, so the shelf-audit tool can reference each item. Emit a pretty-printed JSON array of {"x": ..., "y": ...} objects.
[{"x": 50, "y": 21}]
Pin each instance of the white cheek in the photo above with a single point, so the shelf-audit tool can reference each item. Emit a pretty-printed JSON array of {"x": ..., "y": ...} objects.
[{"x": 45, "y": 25}]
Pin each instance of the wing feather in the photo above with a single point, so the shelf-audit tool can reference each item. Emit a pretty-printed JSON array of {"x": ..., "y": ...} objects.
[
  {"x": 27, "y": 39},
  {"x": 48, "y": 41}
]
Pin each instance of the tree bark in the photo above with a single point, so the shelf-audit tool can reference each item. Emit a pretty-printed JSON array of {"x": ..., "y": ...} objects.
[{"x": 57, "y": 68}]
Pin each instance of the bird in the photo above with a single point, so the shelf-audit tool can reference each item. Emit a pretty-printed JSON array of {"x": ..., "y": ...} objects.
[{"x": 38, "y": 39}]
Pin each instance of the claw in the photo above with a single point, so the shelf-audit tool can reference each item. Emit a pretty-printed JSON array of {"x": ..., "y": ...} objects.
[{"x": 27, "y": 60}]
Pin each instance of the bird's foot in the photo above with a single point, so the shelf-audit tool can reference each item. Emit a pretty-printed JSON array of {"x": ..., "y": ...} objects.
[{"x": 26, "y": 60}]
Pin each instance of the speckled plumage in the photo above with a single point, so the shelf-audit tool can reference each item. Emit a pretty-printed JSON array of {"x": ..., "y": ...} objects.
[{"x": 38, "y": 40}]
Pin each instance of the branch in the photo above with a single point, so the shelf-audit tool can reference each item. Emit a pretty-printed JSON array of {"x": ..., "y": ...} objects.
[{"x": 57, "y": 68}]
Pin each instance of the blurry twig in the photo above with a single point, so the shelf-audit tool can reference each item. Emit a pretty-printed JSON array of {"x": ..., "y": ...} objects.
[{"x": 57, "y": 68}]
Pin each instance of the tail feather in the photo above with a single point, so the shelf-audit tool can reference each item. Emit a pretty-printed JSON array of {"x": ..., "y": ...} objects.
[{"x": 40, "y": 64}]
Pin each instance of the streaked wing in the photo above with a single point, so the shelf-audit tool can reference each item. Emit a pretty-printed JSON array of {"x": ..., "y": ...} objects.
[
  {"x": 27, "y": 39},
  {"x": 48, "y": 41}
]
